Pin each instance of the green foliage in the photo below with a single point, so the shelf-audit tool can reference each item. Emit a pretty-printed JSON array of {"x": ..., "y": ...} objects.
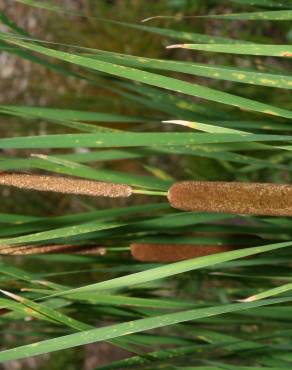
[{"x": 217, "y": 111}]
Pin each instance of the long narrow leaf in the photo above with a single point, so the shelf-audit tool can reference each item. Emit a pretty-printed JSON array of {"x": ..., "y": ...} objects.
[{"x": 126, "y": 328}]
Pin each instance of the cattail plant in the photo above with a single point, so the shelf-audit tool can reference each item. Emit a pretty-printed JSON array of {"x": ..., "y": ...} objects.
[
  {"x": 232, "y": 122},
  {"x": 206, "y": 196}
]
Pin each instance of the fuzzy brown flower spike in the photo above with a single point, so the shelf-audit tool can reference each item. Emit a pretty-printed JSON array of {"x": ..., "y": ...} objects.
[
  {"x": 232, "y": 197},
  {"x": 51, "y": 249},
  {"x": 65, "y": 185},
  {"x": 173, "y": 252}
]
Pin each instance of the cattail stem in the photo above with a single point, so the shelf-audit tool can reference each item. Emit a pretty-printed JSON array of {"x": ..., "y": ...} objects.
[
  {"x": 65, "y": 185},
  {"x": 149, "y": 192},
  {"x": 147, "y": 252},
  {"x": 232, "y": 197}
]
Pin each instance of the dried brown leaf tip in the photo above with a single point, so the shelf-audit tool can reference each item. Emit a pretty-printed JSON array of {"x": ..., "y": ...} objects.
[
  {"x": 51, "y": 249},
  {"x": 173, "y": 252},
  {"x": 232, "y": 197},
  {"x": 65, "y": 185}
]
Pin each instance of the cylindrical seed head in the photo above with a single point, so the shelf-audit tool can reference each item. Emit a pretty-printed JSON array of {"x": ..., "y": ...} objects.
[
  {"x": 65, "y": 185},
  {"x": 147, "y": 252},
  {"x": 51, "y": 249},
  {"x": 232, "y": 197}
]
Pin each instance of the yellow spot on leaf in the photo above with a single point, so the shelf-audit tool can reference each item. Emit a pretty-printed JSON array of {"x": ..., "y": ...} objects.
[
  {"x": 271, "y": 112},
  {"x": 286, "y": 54},
  {"x": 267, "y": 81},
  {"x": 239, "y": 76}
]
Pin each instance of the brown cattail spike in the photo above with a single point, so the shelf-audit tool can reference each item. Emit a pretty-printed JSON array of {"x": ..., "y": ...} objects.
[
  {"x": 232, "y": 197},
  {"x": 173, "y": 252},
  {"x": 65, "y": 185}
]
